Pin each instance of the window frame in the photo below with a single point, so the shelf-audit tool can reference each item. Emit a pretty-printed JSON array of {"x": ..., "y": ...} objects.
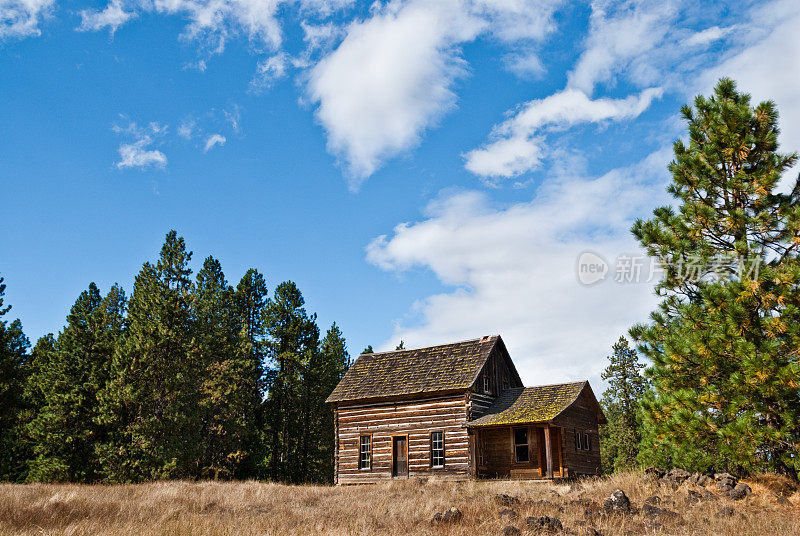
[
  {"x": 487, "y": 388},
  {"x": 578, "y": 445},
  {"x": 433, "y": 449},
  {"x": 361, "y": 452},
  {"x": 527, "y": 445},
  {"x": 587, "y": 442}
]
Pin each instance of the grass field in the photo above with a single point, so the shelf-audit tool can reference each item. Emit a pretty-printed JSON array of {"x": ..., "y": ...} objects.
[{"x": 253, "y": 508}]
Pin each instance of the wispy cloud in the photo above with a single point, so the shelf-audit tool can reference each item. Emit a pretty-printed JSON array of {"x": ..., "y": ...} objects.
[
  {"x": 214, "y": 140},
  {"x": 112, "y": 17},
  {"x": 139, "y": 152},
  {"x": 517, "y": 145},
  {"x": 269, "y": 70},
  {"x": 21, "y": 18}
]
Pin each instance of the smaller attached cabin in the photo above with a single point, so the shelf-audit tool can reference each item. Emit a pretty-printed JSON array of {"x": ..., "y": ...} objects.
[{"x": 459, "y": 411}]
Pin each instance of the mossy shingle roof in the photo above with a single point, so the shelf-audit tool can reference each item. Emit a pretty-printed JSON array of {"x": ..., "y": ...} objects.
[
  {"x": 446, "y": 367},
  {"x": 530, "y": 404}
]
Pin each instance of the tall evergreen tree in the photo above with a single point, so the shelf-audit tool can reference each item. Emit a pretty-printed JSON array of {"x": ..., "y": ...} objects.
[
  {"x": 228, "y": 381},
  {"x": 69, "y": 377},
  {"x": 367, "y": 350},
  {"x": 325, "y": 369},
  {"x": 14, "y": 367},
  {"x": 292, "y": 336},
  {"x": 152, "y": 400},
  {"x": 250, "y": 301},
  {"x": 724, "y": 347},
  {"x": 626, "y": 386}
]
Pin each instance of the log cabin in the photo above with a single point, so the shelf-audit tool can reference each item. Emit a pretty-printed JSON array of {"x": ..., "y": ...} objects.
[{"x": 459, "y": 411}]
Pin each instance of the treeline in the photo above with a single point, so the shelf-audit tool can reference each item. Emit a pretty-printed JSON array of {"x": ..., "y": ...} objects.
[
  {"x": 188, "y": 378},
  {"x": 722, "y": 391}
]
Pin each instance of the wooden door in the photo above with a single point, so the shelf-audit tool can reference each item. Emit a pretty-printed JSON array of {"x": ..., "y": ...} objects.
[{"x": 399, "y": 456}]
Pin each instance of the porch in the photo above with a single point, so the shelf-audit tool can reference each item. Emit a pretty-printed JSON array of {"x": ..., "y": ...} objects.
[{"x": 526, "y": 451}]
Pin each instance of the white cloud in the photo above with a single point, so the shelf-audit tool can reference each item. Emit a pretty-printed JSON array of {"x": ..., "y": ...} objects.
[
  {"x": 622, "y": 36},
  {"x": 138, "y": 153},
  {"x": 707, "y": 36},
  {"x": 212, "y": 22},
  {"x": 388, "y": 80},
  {"x": 392, "y": 76},
  {"x": 21, "y": 18},
  {"x": 269, "y": 70},
  {"x": 214, "y": 140},
  {"x": 765, "y": 67},
  {"x": 112, "y": 17},
  {"x": 513, "y": 269},
  {"x": 517, "y": 145},
  {"x": 187, "y": 129}
]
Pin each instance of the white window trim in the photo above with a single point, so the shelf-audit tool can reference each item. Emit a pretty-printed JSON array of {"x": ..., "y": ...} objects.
[
  {"x": 433, "y": 465},
  {"x": 368, "y": 466}
]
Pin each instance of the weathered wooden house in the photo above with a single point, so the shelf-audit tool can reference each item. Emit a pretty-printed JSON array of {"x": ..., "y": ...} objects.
[{"x": 459, "y": 411}]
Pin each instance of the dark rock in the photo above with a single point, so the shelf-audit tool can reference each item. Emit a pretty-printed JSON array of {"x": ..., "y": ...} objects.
[
  {"x": 653, "y": 473},
  {"x": 511, "y": 531},
  {"x": 669, "y": 482},
  {"x": 725, "y": 511},
  {"x": 508, "y": 513},
  {"x": 678, "y": 475},
  {"x": 544, "y": 523},
  {"x": 783, "y": 501},
  {"x": 653, "y": 499},
  {"x": 694, "y": 497},
  {"x": 725, "y": 482},
  {"x": 654, "y": 511},
  {"x": 724, "y": 486},
  {"x": 741, "y": 491},
  {"x": 591, "y": 531},
  {"x": 618, "y": 503},
  {"x": 506, "y": 500},
  {"x": 453, "y": 515}
]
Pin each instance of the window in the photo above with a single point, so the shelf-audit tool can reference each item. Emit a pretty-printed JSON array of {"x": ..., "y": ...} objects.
[
  {"x": 437, "y": 449},
  {"x": 365, "y": 453},
  {"x": 577, "y": 439},
  {"x": 587, "y": 444},
  {"x": 521, "y": 445},
  {"x": 486, "y": 384}
]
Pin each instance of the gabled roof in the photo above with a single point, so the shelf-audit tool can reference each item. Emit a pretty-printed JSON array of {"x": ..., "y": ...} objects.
[
  {"x": 447, "y": 367},
  {"x": 532, "y": 404}
]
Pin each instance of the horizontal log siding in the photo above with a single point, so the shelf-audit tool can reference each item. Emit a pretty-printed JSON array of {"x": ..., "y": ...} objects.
[
  {"x": 581, "y": 418},
  {"x": 415, "y": 419}
]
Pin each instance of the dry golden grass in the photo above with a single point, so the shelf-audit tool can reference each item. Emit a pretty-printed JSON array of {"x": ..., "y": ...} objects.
[{"x": 253, "y": 508}]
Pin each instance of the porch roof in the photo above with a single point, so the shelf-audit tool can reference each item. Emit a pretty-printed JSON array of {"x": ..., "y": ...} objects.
[{"x": 530, "y": 404}]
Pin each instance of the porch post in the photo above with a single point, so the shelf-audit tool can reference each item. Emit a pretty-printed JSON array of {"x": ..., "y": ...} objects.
[{"x": 548, "y": 453}]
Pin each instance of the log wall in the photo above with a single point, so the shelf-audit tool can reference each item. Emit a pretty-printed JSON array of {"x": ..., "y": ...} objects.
[
  {"x": 415, "y": 419},
  {"x": 580, "y": 418}
]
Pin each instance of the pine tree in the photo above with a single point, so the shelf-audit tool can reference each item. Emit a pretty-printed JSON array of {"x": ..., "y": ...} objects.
[
  {"x": 14, "y": 365},
  {"x": 325, "y": 369},
  {"x": 228, "y": 381},
  {"x": 626, "y": 386},
  {"x": 401, "y": 346},
  {"x": 367, "y": 350},
  {"x": 724, "y": 348},
  {"x": 68, "y": 378},
  {"x": 151, "y": 403},
  {"x": 250, "y": 301},
  {"x": 292, "y": 339}
]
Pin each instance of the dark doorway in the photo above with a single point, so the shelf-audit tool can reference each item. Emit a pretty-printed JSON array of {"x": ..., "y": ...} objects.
[{"x": 399, "y": 456}]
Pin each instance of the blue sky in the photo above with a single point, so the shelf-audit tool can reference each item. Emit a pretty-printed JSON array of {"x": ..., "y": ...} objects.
[{"x": 425, "y": 170}]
